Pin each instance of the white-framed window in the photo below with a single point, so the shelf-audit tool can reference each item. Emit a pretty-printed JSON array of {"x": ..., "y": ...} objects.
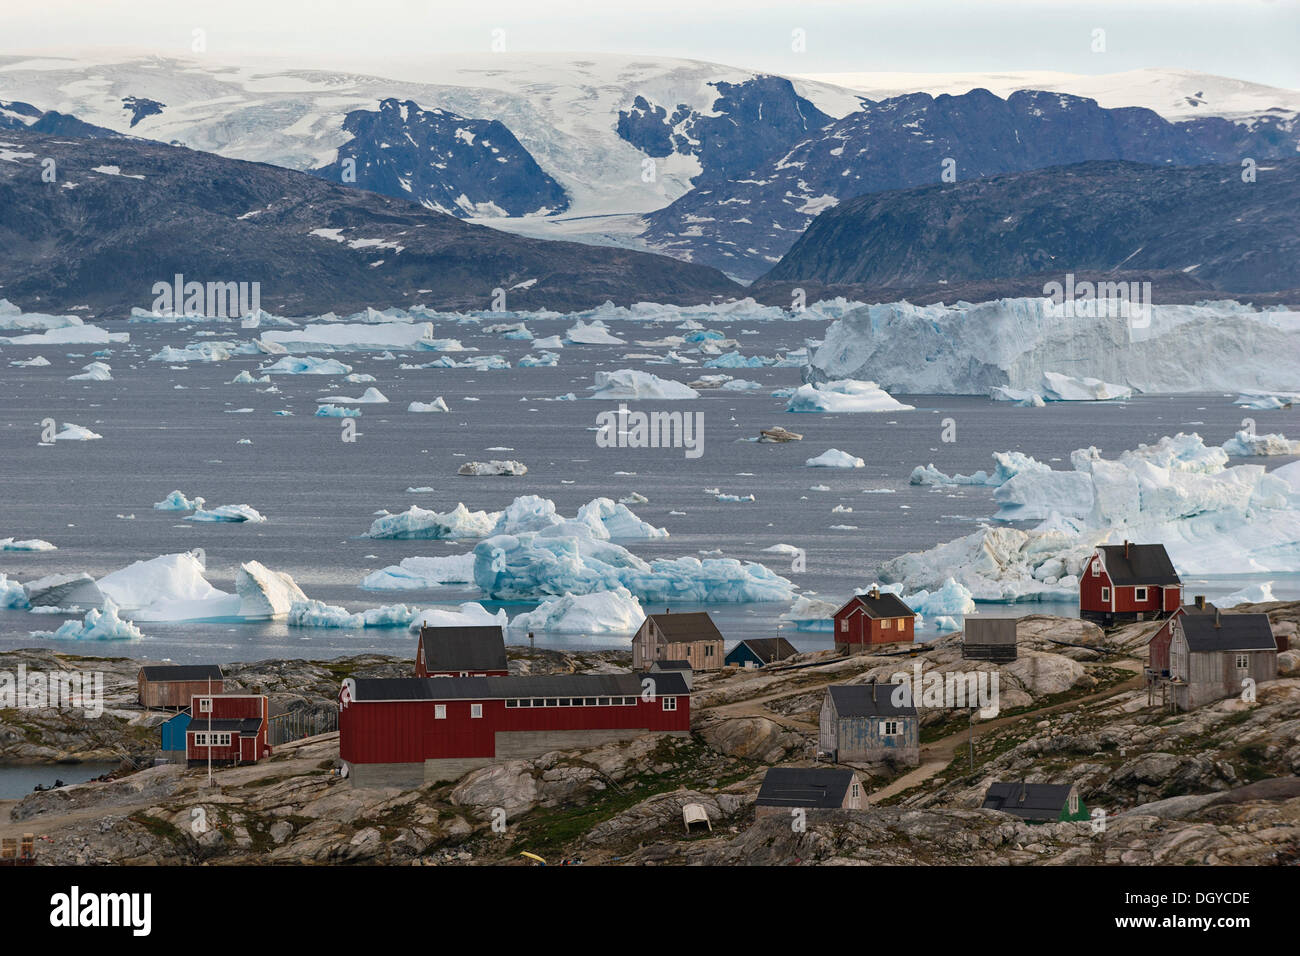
[
  {"x": 887, "y": 623},
  {"x": 1096, "y": 568},
  {"x": 1105, "y": 594},
  {"x": 212, "y": 739},
  {"x": 889, "y": 728},
  {"x": 205, "y": 705},
  {"x": 476, "y": 710},
  {"x": 856, "y": 791},
  {"x": 1074, "y": 803},
  {"x": 844, "y": 625},
  {"x": 1139, "y": 594},
  {"x": 670, "y": 703},
  {"x": 1243, "y": 662},
  {"x": 512, "y": 703},
  {"x": 439, "y": 711}
]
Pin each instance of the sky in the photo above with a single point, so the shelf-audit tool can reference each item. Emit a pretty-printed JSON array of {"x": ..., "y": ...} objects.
[{"x": 1257, "y": 40}]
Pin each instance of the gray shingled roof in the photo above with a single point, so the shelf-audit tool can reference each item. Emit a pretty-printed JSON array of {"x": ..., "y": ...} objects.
[
  {"x": 687, "y": 628},
  {"x": 1144, "y": 564},
  {"x": 498, "y": 688},
  {"x": 1030, "y": 801},
  {"x": 478, "y": 648},
  {"x": 159, "y": 673},
  {"x": 1236, "y": 632},
  {"x": 769, "y": 649},
  {"x": 883, "y": 605},
  {"x": 869, "y": 700},
  {"x": 812, "y": 788}
]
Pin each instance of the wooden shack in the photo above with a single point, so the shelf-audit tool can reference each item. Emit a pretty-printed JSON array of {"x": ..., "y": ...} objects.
[
  {"x": 864, "y": 723},
  {"x": 989, "y": 637},
  {"x": 1211, "y": 656},
  {"x": 692, "y": 637},
  {"x": 1036, "y": 802},
  {"x": 808, "y": 788},
  {"x": 171, "y": 686},
  {"x": 759, "y": 652}
]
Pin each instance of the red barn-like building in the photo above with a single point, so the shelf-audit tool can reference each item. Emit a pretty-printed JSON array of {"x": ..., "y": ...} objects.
[
  {"x": 409, "y": 731},
  {"x": 875, "y": 617},
  {"x": 229, "y": 728},
  {"x": 1129, "y": 582}
]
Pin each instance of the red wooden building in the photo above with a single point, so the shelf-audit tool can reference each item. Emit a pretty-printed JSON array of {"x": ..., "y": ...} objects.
[
  {"x": 1129, "y": 582},
  {"x": 229, "y": 728},
  {"x": 410, "y": 731},
  {"x": 461, "y": 652},
  {"x": 875, "y": 617}
]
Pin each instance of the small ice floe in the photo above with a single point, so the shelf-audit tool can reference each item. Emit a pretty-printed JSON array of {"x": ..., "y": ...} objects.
[
  {"x": 437, "y": 405},
  {"x": 1247, "y": 399},
  {"x": 307, "y": 365},
  {"x": 493, "y": 467},
  {"x": 834, "y": 458},
  {"x": 30, "y": 544},
  {"x": 634, "y": 498},
  {"x": 176, "y": 501},
  {"x": 73, "y": 432},
  {"x": 232, "y": 513},
  {"x": 36, "y": 361},
  {"x": 595, "y": 333},
  {"x": 244, "y": 378},
  {"x": 718, "y": 495},
  {"x": 103, "y": 624},
  {"x": 320, "y": 614},
  {"x": 542, "y": 360},
  {"x": 94, "y": 372},
  {"x": 239, "y": 411},
  {"x": 630, "y": 385},
  {"x": 371, "y": 396},
  {"x": 844, "y": 395},
  {"x": 199, "y": 352},
  {"x": 337, "y": 411},
  {"x": 421, "y": 490}
]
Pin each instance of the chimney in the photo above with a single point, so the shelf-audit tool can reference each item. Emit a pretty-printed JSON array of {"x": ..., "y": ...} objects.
[
  {"x": 874, "y": 593},
  {"x": 1218, "y": 621},
  {"x": 1126, "y": 548},
  {"x": 1200, "y": 601}
]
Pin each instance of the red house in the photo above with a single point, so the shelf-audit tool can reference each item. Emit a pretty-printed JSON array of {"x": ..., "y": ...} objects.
[
  {"x": 1128, "y": 582},
  {"x": 410, "y": 731},
  {"x": 461, "y": 652},
  {"x": 229, "y": 728},
  {"x": 873, "y": 618}
]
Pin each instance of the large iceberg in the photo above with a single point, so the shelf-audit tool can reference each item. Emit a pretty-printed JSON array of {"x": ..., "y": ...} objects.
[
  {"x": 342, "y": 337},
  {"x": 967, "y": 349},
  {"x": 614, "y": 612},
  {"x": 844, "y": 395},
  {"x": 320, "y": 614},
  {"x": 601, "y": 518},
  {"x": 417, "y": 573}
]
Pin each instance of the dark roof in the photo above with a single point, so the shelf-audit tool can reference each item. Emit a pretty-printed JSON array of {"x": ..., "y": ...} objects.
[
  {"x": 1235, "y": 632},
  {"x": 497, "y": 688},
  {"x": 180, "y": 672},
  {"x": 883, "y": 604},
  {"x": 670, "y": 665},
  {"x": 480, "y": 648},
  {"x": 1144, "y": 564},
  {"x": 1031, "y": 801},
  {"x": 812, "y": 788},
  {"x": 687, "y": 628},
  {"x": 244, "y": 726},
  {"x": 870, "y": 700},
  {"x": 769, "y": 649}
]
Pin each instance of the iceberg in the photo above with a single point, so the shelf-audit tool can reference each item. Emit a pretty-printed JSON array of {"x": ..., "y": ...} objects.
[
  {"x": 437, "y": 405},
  {"x": 630, "y": 385},
  {"x": 844, "y": 395},
  {"x": 1065, "y": 388},
  {"x": 418, "y": 573},
  {"x": 493, "y": 467},
  {"x": 166, "y": 578},
  {"x": 29, "y": 544},
  {"x": 968, "y": 349},
  {"x": 371, "y": 396},
  {"x": 68, "y": 335},
  {"x": 103, "y": 624},
  {"x": 809, "y": 614},
  {"x": 1261, "y": 400},
  {"x": 336, "y": 411},
  {"x": 1007, "y": 464},
  {"x": 320, "y": 614},
  {"x": 63, "y": 590},
  {"x": 614, "y": 612},
  {"x": 12, "y": 317},
  {"x": 469, "y": 614},
  {"x": 199, "y": 352},
  {"x": 1247, "y": 444},
  {"x": 834, "y": 458},
  {"x": 94, "y": 372},
  {"x": 543, "y": 360},
  {"x": 597, "y": 333},
  {"x": 307, "y": 365},
  {"x": 1253, "y": 594},
  {"x": 73, "y": 432},
  {"x": 417, "y": 522},
  {"x": 265, "y": 594},
  {"x": 12, "y": 594},
  {"x": 344, "y": 337},
  {"x": 234, "y": 513}
]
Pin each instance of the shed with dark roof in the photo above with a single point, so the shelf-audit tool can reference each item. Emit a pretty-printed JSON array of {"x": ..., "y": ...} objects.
[
  {"x": 1216, "y": 655},
  {"x": 172, "y": 685},
  {"x": 478, "y": 651},
  {"x": 760, "y": 651},
  {"x": 808, "y": 788},
  {"x": 1036, "y": 802}
]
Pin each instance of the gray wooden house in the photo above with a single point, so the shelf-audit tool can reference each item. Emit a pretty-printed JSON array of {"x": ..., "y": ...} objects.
[
  {"x": 692, "y": 637},
  {"x": 808, "y": 788},
  {"x": 988, "y": 637},
  {"x": 1210, "y": 655},
  {"x": 864, "y": 723}
]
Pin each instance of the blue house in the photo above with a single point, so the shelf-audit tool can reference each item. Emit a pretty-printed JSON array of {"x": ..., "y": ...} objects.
[
  {"x": 173, "y": 736},
  {"x": 863, "y": 723},
  {"x": 760, "y": 651}
]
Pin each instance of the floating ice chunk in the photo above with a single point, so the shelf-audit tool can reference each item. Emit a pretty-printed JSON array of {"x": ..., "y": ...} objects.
[
  {"x": 233, "y": 513},
  {"x": 437, "y": 405},
  {"x": 63, "y": 590},
  {"x": 417, "y": 522},
  {"x": 1007, "y": 464},
  {"x": 834, "y": 458},
  {"x": 320, "y": 614},
  {"x": 244, "y": 378},
  {"x": 307, "y": 365},
  {"x": 493, "y": 467},
  {"x": 1246, "y": 444},
  {"x": 12, "y": 594},
  {"x": 265, "y": 594},
  {"x": 550, "y": 342},
  {"x": 100, "y": 625},
  {"x": 614, "y": 612},
  {"x": 809, "y": 614},
  {"x": 741, "y": 385},
  {"x": 371, "y": 396},
  {"x": 736, "y": 360},
  {"x": 630, "y": 385},
  {"x": 1035, "y": 495},
  {"x": 343, "y": 337},
  {"x": 845, "y": 395},
  {"x": 168, "y": 577},
  {"x": 12, "y": 317},
  {"x": 68, "y": 335},
  {"x": 1027, "y": 397},
  {"x": 469, "y": 614},
  {"x": 1066, "y": 388},
  {"x": 596, "y": 333},
  {"x": 1252, "y": 399},
  {"x": 336, "y": 411},
  {"x": 543, "y": 360},
  {"x": 418, "y": 573},
  {"x": 94, "y": 372},
  {"x": 951, "y": 600},
  {"x": 73, "y": 432},
  {"x": 36, "y": 361},
  {"x": 198, "y": 352},
  {"x": 30, "y": 544}
]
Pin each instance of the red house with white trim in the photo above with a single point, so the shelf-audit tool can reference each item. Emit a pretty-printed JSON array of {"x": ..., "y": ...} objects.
[
  {"x": 409, "y": 731},
  {"x": 1129, "y": 582},
  {"x": 229, "y": 728},
  {"x": 874, "y": 617}
]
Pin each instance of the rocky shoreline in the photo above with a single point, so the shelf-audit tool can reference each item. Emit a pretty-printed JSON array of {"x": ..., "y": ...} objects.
[{"x": 1220, "y": 784}]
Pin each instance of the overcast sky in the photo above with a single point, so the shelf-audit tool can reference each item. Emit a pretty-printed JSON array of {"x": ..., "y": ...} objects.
[{"x": 1256, "y": 40}]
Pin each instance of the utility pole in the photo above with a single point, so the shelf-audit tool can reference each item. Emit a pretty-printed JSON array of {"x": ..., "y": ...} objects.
[
  {"x": 209, "y": 730},
  {"x": 970, "y": 711}
]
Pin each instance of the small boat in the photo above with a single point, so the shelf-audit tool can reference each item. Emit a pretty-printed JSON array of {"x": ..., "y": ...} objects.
[{"x": 778, "y": 434}]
